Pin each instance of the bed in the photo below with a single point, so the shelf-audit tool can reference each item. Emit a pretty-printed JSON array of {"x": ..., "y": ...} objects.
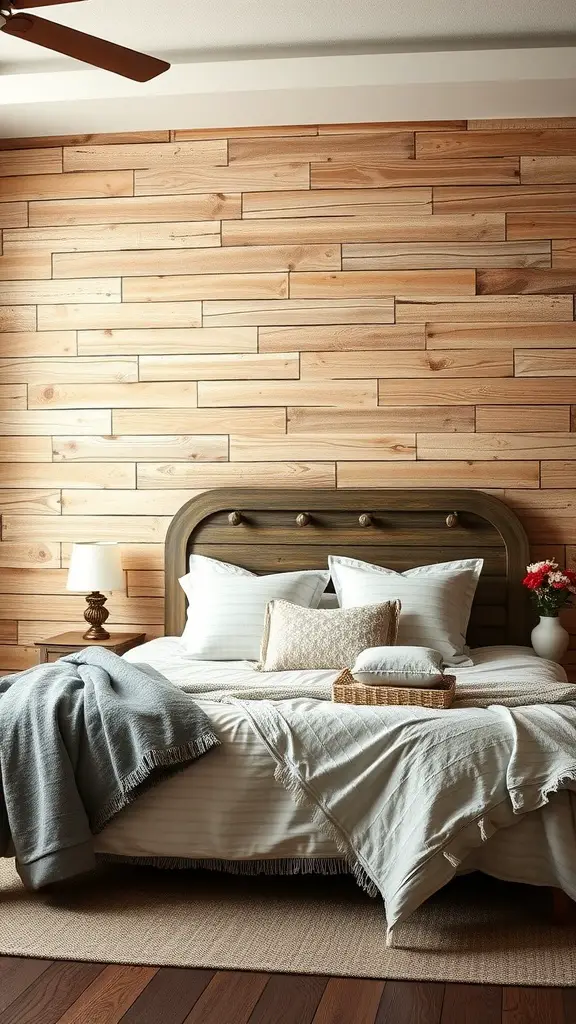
[{"x": 227, "y": 811}]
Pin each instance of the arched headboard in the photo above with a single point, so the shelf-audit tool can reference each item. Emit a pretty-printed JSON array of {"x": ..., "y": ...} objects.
[{"x": 276, "y": 530}]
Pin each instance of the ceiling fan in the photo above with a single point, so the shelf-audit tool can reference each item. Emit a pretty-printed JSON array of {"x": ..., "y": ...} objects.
[{"x": 98, "y": 52}]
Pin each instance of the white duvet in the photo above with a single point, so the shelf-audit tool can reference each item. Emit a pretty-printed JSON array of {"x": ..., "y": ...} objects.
[{"x": 229, "y": 808}]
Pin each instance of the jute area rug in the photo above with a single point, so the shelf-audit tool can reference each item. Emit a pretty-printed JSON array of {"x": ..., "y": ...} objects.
[{"x": 475, "y": 930}]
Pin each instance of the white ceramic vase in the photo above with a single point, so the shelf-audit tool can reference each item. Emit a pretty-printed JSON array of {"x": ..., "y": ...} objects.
[{"x": 549, "y": 638}]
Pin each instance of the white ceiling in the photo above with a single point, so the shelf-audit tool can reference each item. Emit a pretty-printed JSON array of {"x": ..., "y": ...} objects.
[{"x": 198, "y": 29}]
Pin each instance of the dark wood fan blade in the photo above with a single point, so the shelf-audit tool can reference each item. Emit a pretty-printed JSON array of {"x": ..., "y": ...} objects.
[
  {"x": 98, "y": 52},
  {"x": 24, "y": 5}
]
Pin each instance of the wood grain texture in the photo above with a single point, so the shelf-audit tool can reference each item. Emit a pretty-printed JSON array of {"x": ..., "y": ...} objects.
[
  {"x": 357, "y": 999},
  {"x": 312, "y": 306},
  {"x": 111, "y": 993}
]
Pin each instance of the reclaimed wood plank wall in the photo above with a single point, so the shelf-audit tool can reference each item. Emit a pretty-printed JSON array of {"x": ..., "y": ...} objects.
[{"x": 352, "y": 305}]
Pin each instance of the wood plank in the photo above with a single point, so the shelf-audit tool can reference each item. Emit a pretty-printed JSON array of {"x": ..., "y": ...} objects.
[
  {"x": 328, "y": 147},
  {"x": 339, "y": 338},
  {"x": 204, "y": 286},
  {"x": 122, "y": 315},
  {"x": 48, "y": 474},
  {"x": 354, "y": 128},
  {"x": 95, "y": 290},
  {"x": 549, "y": 142},
  {"x": 22, "y": 449},
  {"x": 128, "y": 155},
  {"x": 289, "y": 999},
  {"x": 501, "y": 335},
  {"x": 472, "y": 1004},
  {"x": 41, "y": 422},
  {"x": 416, "y": 227},
  {"x": 230, "y": 996},
  {"x": 111, "y": 396},
  {"x": 564, "y": 254},
  {"x": 541, "y": 225},
  {"x": 148, "y": 584},
  {"x": 434, "y": 474},
  {"x": 253, "y": 132},
  {"x": 548, "y": 170},
  {"x": 209, "y": 206},
  {"x": 410, "y": 1002},
  {"x": 378, "y": 174},
  {"x": 522, "y": 417},
  {"x": 56, "y": 989},
  {"x": 444, "y": 255},
  {"x": 509, "y": 198},
  {"x": 260, "y": 366},
  {"x": 17, "y": 318},
  {"x": 532, "y": 1006},
  {"x": 16, "y": 659},
  {"x": 25, "y": 266},
  {"x": 13, "y": 215},
  {"x": 109, "y": 996},
  {"x": 8, "y": 635},
  {"x": 43, "y": 371},
  {"x": 374, "y": 283},
  {"x": 515, "y": 391},
  {"x": 201, "y": 421},
  {"x": 377, "y": 421},
  {"x": 170, "y": 341},
  {"x": 290, "y": 392},
  {"x": 101, "y": 139},
  {"x": 79, "y": 185},
  {"x": 396, "y": 365},
  {"x": 228, "y": 259},
  {"x": 294, "y": 312},
  {"x": 16, "y": 974},
  {"x": 39, "y": 343},
  {"x": 82, "y": 502},
  {"x": 108, "y": 237},
  {"x": 561, "y": 501},
  {"x": 170, "y": 995},
  {"x": 21, "y": 555},
  {"x": 122, "y": 448},
  {"x": 553, "y": 362},
  {"x": 525, "y": 282},
  {"x": 155, "y": 475},
  {"x": 545, "y": 445},
  {"x": 360, "y": 998},
  {"x": 268, "y": 177},
  {"x": 310, "y": 447},
  {"x": 30, "y": 501},
  {"x": 521, "y": 123},
  {"x": 31, "y": 161},
  {"x": 331, "y": 203},
  {"x": 12, "y": 396},
  {"x": 487, "y": 307},
  {"x": 85, "y": 529},
  {"x": 32, "y": 631}
]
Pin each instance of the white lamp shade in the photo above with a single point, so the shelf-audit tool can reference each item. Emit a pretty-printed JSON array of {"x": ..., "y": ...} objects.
[{"x": 95, "y": 567}]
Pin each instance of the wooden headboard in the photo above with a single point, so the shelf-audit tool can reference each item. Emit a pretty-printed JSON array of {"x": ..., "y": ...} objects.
[{"x": 276, "y": 530}]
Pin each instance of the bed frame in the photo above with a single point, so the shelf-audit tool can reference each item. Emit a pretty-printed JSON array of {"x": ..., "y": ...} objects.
[{"x": 276, "y": 530}]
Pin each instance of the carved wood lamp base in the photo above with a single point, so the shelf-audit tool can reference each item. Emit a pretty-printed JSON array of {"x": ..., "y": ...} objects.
[{"x": 96, "y": 615}]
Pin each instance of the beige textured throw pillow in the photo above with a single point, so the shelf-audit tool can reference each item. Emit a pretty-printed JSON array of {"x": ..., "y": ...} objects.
[{"x": 320, "y": 638}]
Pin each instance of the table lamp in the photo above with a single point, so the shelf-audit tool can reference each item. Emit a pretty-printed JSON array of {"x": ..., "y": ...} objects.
[{"x": 95, "y": 567}]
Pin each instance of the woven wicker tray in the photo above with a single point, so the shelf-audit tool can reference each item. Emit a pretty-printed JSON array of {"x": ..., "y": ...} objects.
[{"x": 345, "y": 690}]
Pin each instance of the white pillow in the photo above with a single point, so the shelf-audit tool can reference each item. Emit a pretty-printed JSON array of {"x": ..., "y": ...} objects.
[
  {"x": 226, "y": 606},
  {"x": 436, "y": 599},
  {"x": 399, "y": 666}
]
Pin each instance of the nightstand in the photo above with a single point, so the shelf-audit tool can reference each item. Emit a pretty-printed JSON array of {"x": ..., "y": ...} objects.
[{"x": 55, "y": 647}]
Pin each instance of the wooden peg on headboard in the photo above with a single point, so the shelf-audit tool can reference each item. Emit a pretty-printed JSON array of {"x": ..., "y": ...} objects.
[
  {"x": 235, "y": 518},
  {"x": 452, "y": 520},
  {"x": 303, "y": 519},
  {"x": 365, "y": 519}
]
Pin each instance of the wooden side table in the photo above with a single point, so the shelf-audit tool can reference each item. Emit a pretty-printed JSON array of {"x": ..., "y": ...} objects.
[{"x": 55, "y": 647}]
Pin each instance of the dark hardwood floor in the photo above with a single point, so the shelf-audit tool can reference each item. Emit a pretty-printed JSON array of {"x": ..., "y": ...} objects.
[{"x": 60, "y": 992}]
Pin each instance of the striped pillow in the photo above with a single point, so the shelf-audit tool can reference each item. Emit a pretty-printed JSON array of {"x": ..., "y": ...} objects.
[
  {"x": 436, "y": 600},
  {"x": 226, "y": 607}
]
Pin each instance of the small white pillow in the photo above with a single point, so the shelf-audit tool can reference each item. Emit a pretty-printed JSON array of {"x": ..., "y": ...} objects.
[
  {"x": 399, "y": 666},
  {"x": 226, "y": 606},
  {"x": 436, "y": 599}
]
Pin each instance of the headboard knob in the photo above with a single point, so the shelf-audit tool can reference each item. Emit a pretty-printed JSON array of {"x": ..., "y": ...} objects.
[
  {"x": 452, "y": 520},
  {"x": 303, "y": 519},
  {"x": 235, "y": 518},
  {"x": 365, "y": 519}
]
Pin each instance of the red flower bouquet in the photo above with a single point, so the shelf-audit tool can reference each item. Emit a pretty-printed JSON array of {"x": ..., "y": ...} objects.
[{"x": 551, "y": 587}]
